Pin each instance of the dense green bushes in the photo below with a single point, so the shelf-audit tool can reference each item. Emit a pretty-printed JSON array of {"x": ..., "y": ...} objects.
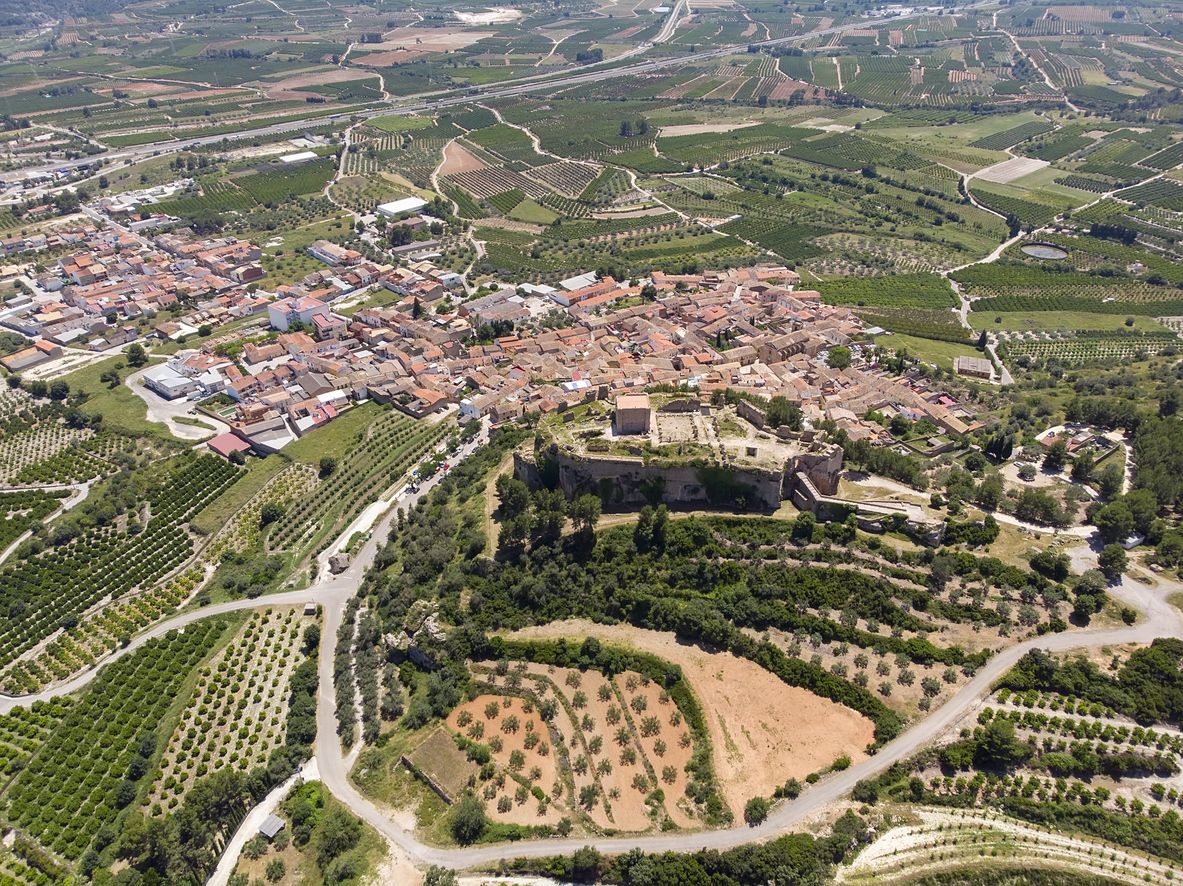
[
  {"x": 794, "y": 858},
  {"x": 1148, "y": 687}
]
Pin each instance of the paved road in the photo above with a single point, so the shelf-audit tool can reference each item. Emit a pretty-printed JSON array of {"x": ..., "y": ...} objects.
[
  {"x": 1159, "y": 619},
  {"x": 451, "y": 98}
]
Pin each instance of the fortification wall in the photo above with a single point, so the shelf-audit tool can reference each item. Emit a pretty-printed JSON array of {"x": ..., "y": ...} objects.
[
  {"x": 823, "y": 467},
  {"x": 630, "y": 482}
]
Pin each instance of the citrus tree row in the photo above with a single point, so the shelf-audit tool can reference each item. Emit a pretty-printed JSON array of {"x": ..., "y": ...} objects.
[
  {"x": 236, "y": 716},
  {"x": 50, "y": 590},
  {"x": 370, "y": 466},
  {"x": 92, "y": 765}
]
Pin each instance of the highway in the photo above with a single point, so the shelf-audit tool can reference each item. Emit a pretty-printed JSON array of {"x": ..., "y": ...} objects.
[{"x": 522, "y": 86}]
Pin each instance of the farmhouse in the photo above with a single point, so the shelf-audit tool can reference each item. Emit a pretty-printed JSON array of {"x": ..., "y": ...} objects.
[
  {"x": 974, "y": 367},
  {"x": 227, "y": 444}
]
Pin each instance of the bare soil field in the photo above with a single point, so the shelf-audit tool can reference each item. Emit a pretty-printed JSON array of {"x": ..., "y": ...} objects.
[
  {"x": 429, "y": 39},
  {"x": 387, "y": 59},
  {"x": 702, "y": 128},
  {"x": 458, "y": 158},
  {"x": 763, "y": 731},
  {"x": 138, "y": 88},
  {"x": 315, "y": 78},
  {"x": 1009, "y": 170}
]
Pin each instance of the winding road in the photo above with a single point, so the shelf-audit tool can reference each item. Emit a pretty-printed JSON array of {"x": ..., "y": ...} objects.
[
  {"x": 455, "y": 97},
  {"x": 332, "y": 593},
  {"x": 1160, "y": 619}
]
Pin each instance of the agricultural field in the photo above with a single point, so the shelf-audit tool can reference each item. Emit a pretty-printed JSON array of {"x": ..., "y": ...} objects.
[
  {"x": 50, "y": 589},
  {"x": 617, "y": 741},
  {"x": 93, "y": 764},
  {"x": 550, "y": 739},
  {"x": 1060, "y": 754},
  {"x": 378, "y": 455},
  {"x": 237, "y": 714},
  {"x": 511, "y": 663}
]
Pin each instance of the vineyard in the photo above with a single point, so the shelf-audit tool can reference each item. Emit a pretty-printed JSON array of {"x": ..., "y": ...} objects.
[
  {"x": 509, "y": 143},
  {"x": 936, "y": 325},
  {"x": 567, "y": 178},
  {"x": 215, "y": 197},
  {"x": 1087, "y": 183},
  {"x": 789, "y": 241},
  {"x": 93, "y": 764},
  {"x": 698, "y": 150},
  {"x": 274, "y": 186},
  {"x": 1005, "y": 280},
  {"x": 488, "y": 182},
  {"x": 1167, "y": 158},
  {"x": 378, "y": 457},
  {"x": 1058, "y": 145}
]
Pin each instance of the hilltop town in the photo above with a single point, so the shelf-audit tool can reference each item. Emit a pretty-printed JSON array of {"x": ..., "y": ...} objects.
[
  {"x": 311, "y": 348},
  {"x": 702, "y": 442}
]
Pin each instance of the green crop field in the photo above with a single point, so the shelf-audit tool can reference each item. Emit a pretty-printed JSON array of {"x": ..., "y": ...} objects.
[{"x": 899, "y": 291}]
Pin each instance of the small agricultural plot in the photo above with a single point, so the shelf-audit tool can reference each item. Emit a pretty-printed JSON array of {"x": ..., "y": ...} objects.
[
  {"x": 762, "y": 732},
  {"x": 21, "y": 452},
  {"x": 579, "y": 744},
  {"x": 236, "y": 717},
  {"x": 84, "y": 774},
  {"x": 58, "y": 585},
  {"x": 377, "y": 457}
]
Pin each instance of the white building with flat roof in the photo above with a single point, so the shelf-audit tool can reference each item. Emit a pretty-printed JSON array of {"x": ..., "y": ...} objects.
[{"x": 395, "y": 208}]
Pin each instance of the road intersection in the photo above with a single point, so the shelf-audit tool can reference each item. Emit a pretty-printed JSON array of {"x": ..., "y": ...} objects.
[{"x": 333, "y": 592}]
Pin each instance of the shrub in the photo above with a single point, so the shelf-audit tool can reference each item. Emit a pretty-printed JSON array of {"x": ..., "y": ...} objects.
[
  {"x": 756, "y": 810},
  {"x": 468, "y": 820}
]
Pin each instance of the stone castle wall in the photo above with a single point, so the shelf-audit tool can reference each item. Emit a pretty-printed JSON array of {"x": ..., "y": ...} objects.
[{"x": 628, "y": 482}]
